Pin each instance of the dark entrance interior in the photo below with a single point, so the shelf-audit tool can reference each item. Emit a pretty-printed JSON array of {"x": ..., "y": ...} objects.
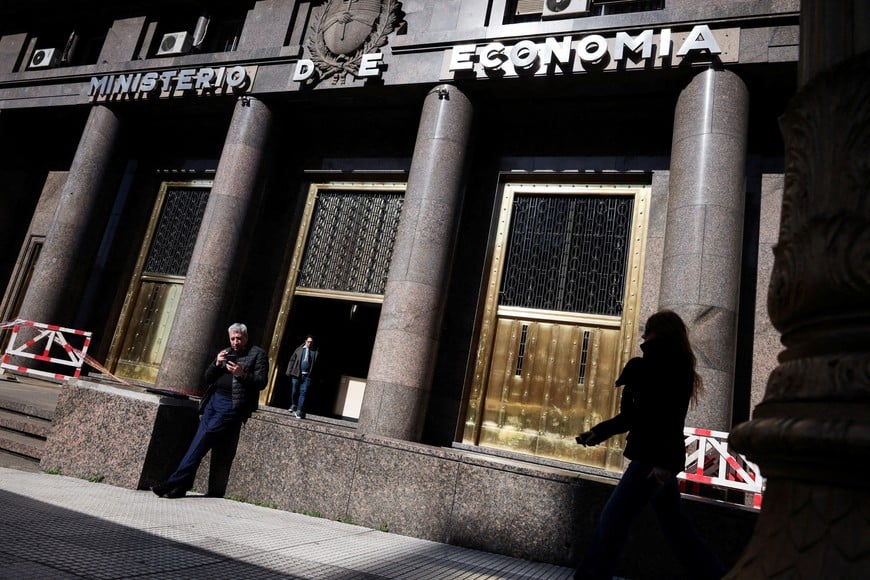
[{"x": 344, "y": 333}]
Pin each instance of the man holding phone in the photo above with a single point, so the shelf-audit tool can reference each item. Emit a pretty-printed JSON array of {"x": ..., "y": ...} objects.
[{"x": 235, "y": 379}]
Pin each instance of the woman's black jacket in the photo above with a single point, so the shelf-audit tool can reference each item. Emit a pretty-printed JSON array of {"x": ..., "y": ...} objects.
[{"x": 658, "y": 388}]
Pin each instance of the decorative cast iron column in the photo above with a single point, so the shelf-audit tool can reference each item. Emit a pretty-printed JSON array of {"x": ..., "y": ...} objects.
[
  {"x": 400, "y": 373},
  {"x": 212, "y": 275},
  {"x": 811, "y": 433},
  {"x": 704, "y": 235}
]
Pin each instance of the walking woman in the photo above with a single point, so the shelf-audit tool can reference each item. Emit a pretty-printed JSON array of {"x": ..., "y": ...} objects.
[{"x": 658, "y": 389}]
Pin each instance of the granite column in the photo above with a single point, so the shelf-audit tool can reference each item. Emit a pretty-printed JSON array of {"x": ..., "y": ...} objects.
[
  {"x": 400, "y": 373},
  {"x": 810, "y": 435},
  {"x": 67, "y": 254},
  {"x": 214, "y": 268},
  {"x": 703, "y": 239}
]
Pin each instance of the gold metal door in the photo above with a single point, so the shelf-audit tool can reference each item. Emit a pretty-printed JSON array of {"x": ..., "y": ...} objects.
[
  {"x": 21, "y": 277},
  {"x": 342, "y": 254},
  {"x": 155, "y": 290},
  {"x": 560, "y": 320}
]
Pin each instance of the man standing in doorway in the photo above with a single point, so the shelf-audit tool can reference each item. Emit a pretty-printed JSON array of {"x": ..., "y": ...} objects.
[
  {"x": 300, "y": 370},
  {"x": 235, "y": 378}
]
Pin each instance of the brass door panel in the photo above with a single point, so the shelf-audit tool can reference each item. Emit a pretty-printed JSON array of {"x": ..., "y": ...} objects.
[
  {"x": 559, "y": 320},
  {"x": 158, "y": 279},
  {"x": 547, "y": 383},
  {"x": 145, "y": 342}
]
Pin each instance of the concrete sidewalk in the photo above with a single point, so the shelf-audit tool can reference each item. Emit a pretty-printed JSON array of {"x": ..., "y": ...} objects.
[{"x": 60, "y": 527}]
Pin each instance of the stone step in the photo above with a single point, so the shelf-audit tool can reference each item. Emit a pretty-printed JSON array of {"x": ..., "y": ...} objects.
[
  {"x": 26, "y": 409},
  {"x": 28, "y": 398},
  {"x": 21, "y": 444},
  {"x": 26, "y": 424},
  {"x": 19, "y": 462}
]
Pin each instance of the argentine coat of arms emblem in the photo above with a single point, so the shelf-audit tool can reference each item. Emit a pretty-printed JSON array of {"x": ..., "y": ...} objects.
[{"x": 342, "y": 31}]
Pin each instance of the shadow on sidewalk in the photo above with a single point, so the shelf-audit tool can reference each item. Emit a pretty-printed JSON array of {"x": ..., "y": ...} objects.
[{"x": 39, "y": 540}]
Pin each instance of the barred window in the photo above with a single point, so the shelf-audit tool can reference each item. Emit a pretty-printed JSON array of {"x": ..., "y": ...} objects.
[
  {"x": 568, "y": 253},
  {"x": 177, "y": 228},
  {"x": 350, "y": 241},
  {"x": 534, "y": 8}
]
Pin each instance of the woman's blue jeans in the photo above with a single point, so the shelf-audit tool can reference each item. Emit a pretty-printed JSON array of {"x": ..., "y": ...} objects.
[{"x": 635, "y": 489}]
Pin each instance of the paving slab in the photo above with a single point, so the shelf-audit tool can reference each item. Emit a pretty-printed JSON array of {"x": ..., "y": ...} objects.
[{"x": 55, "y": 526}]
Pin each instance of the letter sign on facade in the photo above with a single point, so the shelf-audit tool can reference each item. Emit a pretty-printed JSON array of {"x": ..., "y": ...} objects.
[
  {"x": 304, "y": 69},
  {"x": 701, "y": 38},
  {"x": 595, "y": 52}
]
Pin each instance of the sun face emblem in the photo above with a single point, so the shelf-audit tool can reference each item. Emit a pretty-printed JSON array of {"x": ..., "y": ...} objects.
[{"x": 344, "y": 30}]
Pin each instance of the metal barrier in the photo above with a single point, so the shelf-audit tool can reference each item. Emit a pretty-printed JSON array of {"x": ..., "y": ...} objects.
[
  {"x": 710, "y": 462},
  {"x": 69, "y": 344}
]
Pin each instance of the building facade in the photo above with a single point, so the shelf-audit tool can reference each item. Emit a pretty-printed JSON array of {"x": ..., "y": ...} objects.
[{"x": 472, "y": 205}]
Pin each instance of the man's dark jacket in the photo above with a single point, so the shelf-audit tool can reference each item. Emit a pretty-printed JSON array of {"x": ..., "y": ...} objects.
[
  {"x": 246, "y": 391},
  {"x": 294, "y": 367}
]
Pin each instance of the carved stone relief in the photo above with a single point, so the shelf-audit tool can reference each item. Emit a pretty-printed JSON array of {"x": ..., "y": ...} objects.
[{"x": 342, "y": 31}]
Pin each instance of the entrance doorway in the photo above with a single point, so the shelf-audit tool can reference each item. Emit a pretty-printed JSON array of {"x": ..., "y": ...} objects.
[
  {"x": 155, "y": 289},
  {"x": 334, "y": 291},
  {"x": 561, "y": 319},
  {"x": 18, "y": 286},
  {"x": 344, "y": 335}
]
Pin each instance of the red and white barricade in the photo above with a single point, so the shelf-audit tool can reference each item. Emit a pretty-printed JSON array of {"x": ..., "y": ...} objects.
[
  {"x": 53, "y": 345},
  {"x": 710, "y": 462}
]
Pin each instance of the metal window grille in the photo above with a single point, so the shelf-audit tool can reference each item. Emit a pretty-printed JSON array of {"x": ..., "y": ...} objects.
[
  {"x": 350, "y": 241},
  {"x": 568, "y": 253},
  {"x": 598, "y": 7},
  {"x": 584, "y": 356},
  {"x": 521, "y": 352},
  {"x": 175, "y": 236}
]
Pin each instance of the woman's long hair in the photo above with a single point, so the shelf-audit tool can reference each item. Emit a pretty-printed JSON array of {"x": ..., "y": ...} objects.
[{"x": 668, "y": 325}]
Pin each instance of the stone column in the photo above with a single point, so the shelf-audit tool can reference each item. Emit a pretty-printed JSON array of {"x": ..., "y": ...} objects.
[
  {"x": 67, "y": 253},
  {"x": 214, "y": 267},
  {"x": 400, "y": 374},
  {"x": 703, "y": 239},
  {"x": 810, "y": 435}
]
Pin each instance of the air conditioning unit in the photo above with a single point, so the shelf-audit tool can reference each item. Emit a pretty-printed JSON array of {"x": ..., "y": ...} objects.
[
  {"x": 43, "y": 58},
  {"x": 175, "y": 43},
  {"x": 565, "y": 8}
]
